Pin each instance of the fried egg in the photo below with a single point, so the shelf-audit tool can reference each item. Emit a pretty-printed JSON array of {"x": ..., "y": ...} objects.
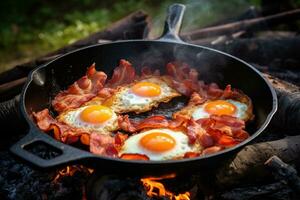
[
  {"x": 159, "y": 144},
  {"x": 91, "y": 118},
  {"x": 141, "y": 96},
  {"x": 218, "y": 107}
]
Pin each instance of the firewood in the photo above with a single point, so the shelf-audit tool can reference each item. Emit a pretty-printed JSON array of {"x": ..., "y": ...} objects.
[
  {"x": 277, "y": 190},
  {"x": 248, "y": 164},
  {"x": 251, "y": 24},
  {"x": 249, "y": 13},
  {"x": 283, "y": 171},
  {"x": 11, "y": 89},
  {"x": 274, "y": 52}
]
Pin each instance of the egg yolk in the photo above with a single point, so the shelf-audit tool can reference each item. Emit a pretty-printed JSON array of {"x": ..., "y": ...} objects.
[
  {"x": 220, "y": 107},
  {"x": 96, "y": 114},
  {"x": 146, "y": 89},
  {"x": 157, "y": 142}
]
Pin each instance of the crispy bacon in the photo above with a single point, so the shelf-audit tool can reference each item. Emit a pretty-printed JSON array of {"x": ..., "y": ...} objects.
[
  {"x": 62, "y": 132},
  {"x": 156, "y": 121},
  {"x": 43, "y": 119},
  {"x": 120, "y": 138},
  {"x": 184, "y": 78},
  {"x": 185, "y": 87},
  {"x": 91, "y": 83},
  {"x": 211, "y": 150},
  {"x": 123, "y": 74},
  {"x": 191, "y": 155},
  {"x": 147, "y": 71},
  {"x": 196, "y": 133},
  {"x": 64, "y": 101},
  {"x": 126, "y": 124},
  {"x": 213, "y": 91},
  {"x": 179, "y": 121},
  {"x": 225, "y": 130},
  {"x": 134, "y": 156},
  {"x": 226, "y": 120},
  {"x": 81, "y": 91},
  {"x": 103, "y": 145},
  {"x": 196, "y": 99},
  {"x": 106, "y": 92},
  {"x": 180, "y": 71}
]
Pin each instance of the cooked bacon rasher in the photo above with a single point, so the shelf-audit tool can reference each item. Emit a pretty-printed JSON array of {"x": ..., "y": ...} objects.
[{"x": 91, "y": 85}]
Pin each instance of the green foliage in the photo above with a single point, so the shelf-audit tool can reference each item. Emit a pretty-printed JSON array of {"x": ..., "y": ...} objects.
[{"x": 33, "y": 27}]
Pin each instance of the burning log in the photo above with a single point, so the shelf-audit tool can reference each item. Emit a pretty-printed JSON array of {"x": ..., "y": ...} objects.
[
  {"x": 155, "y": 188},
  {"x": 246, "y": 25}
]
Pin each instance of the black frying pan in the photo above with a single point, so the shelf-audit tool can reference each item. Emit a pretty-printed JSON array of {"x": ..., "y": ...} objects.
[{"x": 214, "y": 66}]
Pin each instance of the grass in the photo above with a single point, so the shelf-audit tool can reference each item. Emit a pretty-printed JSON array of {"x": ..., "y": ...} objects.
[{"x": 31, "y": 28}]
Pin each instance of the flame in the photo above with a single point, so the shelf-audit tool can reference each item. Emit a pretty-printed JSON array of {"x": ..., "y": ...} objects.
[
  {"x": 70, "y": 171},
  {"x": 156, "y": 189}
]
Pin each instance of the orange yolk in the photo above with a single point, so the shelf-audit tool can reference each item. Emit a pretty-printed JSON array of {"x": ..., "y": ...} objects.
[
  {"x": 158, "y": 142},
  {"x": 220, "y": 107},
  {"x": 146, "y": 89},
  {"x": 96, "y": 114}
]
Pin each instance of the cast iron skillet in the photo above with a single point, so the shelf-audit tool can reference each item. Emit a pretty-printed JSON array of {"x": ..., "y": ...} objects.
[{"x": 214, "y": 66}]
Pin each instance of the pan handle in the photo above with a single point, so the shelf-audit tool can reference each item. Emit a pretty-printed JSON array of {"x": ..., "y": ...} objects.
[
  {"x": 173, "y": 23},
  {"x": 66, "y": 155}
]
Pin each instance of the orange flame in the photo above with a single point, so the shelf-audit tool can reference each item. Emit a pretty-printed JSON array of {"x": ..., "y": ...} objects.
[
  {"x": 71, "y": 170},
  {"x": 157, "y": 189}
]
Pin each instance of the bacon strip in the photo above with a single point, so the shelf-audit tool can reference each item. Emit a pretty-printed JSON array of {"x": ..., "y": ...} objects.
[
  {"x": 152, "y": 122},
  {"x": 211, "y": 150},
  {"x": 62, "y": 132},
  {"x": 134, "y": 156},
  {"x": 103, "y": 145},
  {"x": 65, "y": 101},
  {"x": 225, "y": 130},
  {"x": 191, "y": 155},
  {"x": 196, "y": 99},
  {"x": 196, "y": 133},
  {"x": 184, "y": 78},
  {"x": 81, "y": 91},
  {"x": 147, "y": 71},
  {"x": 123, "y": 74}
]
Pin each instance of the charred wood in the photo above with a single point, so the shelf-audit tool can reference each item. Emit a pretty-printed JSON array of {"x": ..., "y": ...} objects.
[
  {"x": 283, "y": 171},
  {"x": 277, "y": 53},
  {"x": 12, "y": 88},
  {"x": 246, "y": 25},
  {"x": 248, "y": 164},
  {"x": 278, "y": 191}
]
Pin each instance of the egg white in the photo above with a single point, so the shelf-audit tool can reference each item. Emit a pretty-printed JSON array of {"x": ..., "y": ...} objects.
[
  {"x": 128, "y": 98},
  {"x": 125, "y": 100},
  {"x": 241, "y": 110},
  {"x": 132, "y": 145},
  {"x": 73, "y": 119}
]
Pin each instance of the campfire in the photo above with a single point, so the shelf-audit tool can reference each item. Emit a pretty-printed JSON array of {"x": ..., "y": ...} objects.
[
  {"x": 266, "y": 169},
  {"x": 155, "y": 188}
]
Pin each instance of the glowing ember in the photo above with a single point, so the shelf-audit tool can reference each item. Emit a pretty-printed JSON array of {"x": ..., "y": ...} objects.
[
  {"x": 157, "y": 189},
  {"x": 71, "y": 170}
]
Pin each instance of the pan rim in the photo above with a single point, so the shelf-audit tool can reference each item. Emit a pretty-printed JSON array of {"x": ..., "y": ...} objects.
[{"x": 32, "y": 125}]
